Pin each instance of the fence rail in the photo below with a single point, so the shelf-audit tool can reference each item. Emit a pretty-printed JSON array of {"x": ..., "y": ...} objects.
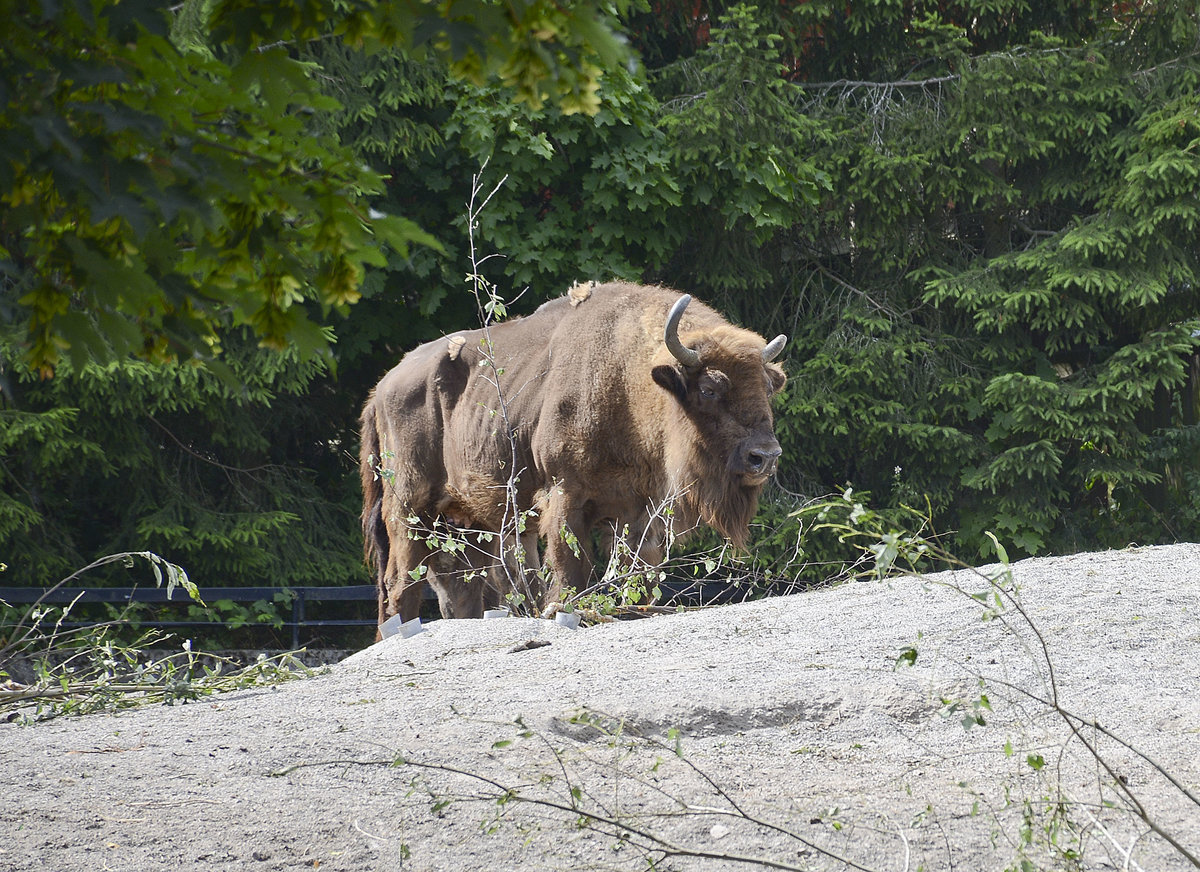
[{"x": 302, "y": 597}]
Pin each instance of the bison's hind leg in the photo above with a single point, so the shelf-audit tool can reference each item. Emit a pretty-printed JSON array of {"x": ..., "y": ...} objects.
[{"x": 403, "y": 579}]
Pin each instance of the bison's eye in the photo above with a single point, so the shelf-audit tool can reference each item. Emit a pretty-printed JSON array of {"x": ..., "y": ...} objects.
[{"x": 713, "y": 385}]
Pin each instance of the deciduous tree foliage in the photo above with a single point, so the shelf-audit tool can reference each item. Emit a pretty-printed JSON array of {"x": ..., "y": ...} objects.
[
  {"x": 157, "y": 191},
  {"x": 154, "y": 197}
]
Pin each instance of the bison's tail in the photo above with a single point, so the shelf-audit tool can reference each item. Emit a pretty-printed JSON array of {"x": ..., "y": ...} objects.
[{"x": 375, "y": 538}]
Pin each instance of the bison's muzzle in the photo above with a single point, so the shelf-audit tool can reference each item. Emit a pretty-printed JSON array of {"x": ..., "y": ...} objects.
[{"x": 756, "y": 459}]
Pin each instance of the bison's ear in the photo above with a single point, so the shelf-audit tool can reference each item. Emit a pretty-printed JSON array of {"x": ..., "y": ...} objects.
[
  {"x": 776, "y": 377},
  {"x": 671, "y": 379}
]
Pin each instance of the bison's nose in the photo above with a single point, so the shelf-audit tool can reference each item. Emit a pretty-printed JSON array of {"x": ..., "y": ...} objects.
[{"x": 763, "y": 459}]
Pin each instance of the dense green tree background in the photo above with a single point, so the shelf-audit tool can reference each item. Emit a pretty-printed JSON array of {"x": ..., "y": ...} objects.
[{"x": 977, "y": 221}]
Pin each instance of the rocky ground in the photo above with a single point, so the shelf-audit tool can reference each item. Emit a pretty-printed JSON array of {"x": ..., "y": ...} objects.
[{"x": 875, "y": 725}]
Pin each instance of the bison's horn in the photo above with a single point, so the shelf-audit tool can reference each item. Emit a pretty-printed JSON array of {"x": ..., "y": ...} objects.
[
  {"x": 773, "y": 348},
  {"x": 682, "y": 353}
]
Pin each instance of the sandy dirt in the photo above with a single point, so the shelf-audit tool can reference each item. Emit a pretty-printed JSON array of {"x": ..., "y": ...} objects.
[{"x": 797, "y": 732}]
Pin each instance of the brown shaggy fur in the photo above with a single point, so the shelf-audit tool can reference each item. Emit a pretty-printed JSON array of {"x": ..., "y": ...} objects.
[
  {"x": 375, "y": 541},
  {"x": 607, "y": 425}
]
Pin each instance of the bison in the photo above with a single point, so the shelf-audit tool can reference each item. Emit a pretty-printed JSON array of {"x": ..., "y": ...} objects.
[{"x": 594, "y": 412}]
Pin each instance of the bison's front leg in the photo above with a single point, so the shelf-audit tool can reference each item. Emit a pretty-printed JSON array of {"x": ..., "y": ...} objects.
[
  {"x": 643, "y": 542},
  {"x": 568, "y": 545},
  {"x": 520, "y": 572}
]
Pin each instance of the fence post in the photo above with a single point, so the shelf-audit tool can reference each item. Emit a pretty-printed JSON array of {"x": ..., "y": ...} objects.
[{"x": 297, "y": 618}]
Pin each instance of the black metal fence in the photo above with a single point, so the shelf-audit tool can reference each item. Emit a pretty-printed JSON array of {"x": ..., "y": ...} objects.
[{"x": 301, "y": 599}]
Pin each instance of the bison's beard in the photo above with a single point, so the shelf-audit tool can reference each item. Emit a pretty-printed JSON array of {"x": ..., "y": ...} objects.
[{"x": 725, "y": 502}]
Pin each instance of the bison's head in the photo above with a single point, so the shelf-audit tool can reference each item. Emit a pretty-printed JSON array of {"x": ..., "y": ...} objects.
[{"x": 723, "y": 447}]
